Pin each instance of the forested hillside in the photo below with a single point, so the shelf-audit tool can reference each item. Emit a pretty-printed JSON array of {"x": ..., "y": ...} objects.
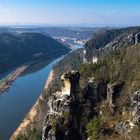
[{"x": 16, "y": 49}]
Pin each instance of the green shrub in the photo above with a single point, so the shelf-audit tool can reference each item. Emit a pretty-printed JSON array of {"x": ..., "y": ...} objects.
[
  {"x": 31, "y": 135},
  {"x": 93, "y": 128}
]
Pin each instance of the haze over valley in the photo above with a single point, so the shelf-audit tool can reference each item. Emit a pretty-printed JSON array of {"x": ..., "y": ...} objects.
[{"x": 69, "y": 70}]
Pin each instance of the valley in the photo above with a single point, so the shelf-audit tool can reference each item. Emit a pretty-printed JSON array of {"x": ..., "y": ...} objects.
[
  {"x": 85, "y": 89},
  {"x": 88, "y": 99},
  {"x": 69, "y": 70}
]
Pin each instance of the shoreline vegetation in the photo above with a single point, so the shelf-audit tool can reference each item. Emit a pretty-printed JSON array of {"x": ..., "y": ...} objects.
[
  {"x": 31, "y": 116},
  {"x": 6, "y": 83},
  {"x": 31, "y": 119}
]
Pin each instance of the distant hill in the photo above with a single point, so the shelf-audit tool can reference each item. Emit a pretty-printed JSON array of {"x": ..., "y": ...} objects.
[
  {"x": 104, "y": 40},
  {"x": 16, "y": 49},
  {"x": 70, "y": 32}
]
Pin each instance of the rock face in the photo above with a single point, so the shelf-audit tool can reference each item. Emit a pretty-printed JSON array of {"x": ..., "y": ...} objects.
[
  {"x": 90, "y": 54},
  {"x": 73, "y": 121},
  {"x": 102, "y": 89},
  {"x": 70, "y": 109},
  {"x": 104, "y": 41},
  {"x": 91, "y": 91},
  {"x": 121, "y": 128},
  {"x": 74, "y": 77},
  {"x": 110, "y": 97},
  {"x": 136, "y": 107},
  {"x": 66, "y": 84},
  {"x": 112, "y": 93},
  {"x": 60, "y": 103},
  {"x": 137, "y": 38}
]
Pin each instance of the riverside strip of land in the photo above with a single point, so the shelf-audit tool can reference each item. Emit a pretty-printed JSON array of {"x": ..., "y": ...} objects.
[
  {"x": 7, "y": 82},
  {"x": 31, "y": 116}
]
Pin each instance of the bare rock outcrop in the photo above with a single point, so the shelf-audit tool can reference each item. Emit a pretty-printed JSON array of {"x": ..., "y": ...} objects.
[
  {"x": 135, "y": 106},
  {"x": 113, "y": 91},
  {"x": 61, "y": 103},
  {"x": 137, "y": 38}
]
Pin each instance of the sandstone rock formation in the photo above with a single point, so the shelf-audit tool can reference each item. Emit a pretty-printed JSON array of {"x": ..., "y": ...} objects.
[
  {"x": 109, "y": 40},
  {"x": 136, "y": 107},
  {"x": 137, "y": 38},
  {"x": 112, "y": 93},
  {"x": 59, "y": 104}
]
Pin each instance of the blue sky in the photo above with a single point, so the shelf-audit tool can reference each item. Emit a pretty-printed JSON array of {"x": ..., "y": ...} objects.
[{"x": 88, "y": 12}]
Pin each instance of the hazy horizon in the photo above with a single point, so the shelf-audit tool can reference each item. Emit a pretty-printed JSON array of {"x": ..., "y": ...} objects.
[
  {"x": 39, "y": 25},
  {"x": 80, "y": 12}
]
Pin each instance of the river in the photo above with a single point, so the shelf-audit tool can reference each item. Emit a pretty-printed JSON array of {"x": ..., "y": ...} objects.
[
  {"x": 22, "y": 95},
  {"x": 18, "y": 100}
]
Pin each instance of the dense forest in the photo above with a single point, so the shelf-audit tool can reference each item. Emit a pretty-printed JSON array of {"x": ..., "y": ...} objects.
[{"x": 16, "y": 49}]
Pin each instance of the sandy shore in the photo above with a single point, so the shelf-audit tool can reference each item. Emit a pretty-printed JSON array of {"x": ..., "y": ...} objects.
[
  {"x": 50, "y": 78},
  {"x": 31, "y": 116}
]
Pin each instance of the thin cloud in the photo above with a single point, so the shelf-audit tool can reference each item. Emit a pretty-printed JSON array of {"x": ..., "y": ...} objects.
[
  {"x": 1, "y": 7},
  {"x": 91, "y": 11},
  {"x": 114, "y": 11},
  {"x": 6, "y": 10}
]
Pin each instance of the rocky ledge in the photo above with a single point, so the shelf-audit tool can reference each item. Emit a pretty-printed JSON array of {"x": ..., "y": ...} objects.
[
  {"x": 59, "y": 105},
  {"x": 70, "y": 110}
]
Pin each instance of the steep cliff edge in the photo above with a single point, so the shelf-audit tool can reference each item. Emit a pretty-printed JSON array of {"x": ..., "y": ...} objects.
[
  {"x": 102, "y": 104},
  {"x": 31, "y": 127},
  {"x": 106, "y": 40},
  {"x": 96, "y": 101}
]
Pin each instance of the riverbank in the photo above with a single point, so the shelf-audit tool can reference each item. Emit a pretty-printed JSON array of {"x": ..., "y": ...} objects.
[
  {"x": 33, "y": 122},
  {"x": 31, "y": 117},
  {"x": 7, "y": 82}
]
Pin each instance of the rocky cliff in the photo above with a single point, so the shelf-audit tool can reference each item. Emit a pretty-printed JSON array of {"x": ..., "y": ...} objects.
[
  {"x": 33, "y": 129},
  {"x": 94, "y": 107},
  {"x": 71, "y": 114},
  {"x": 99, "y": 100},
  {"x": 103, "y": 99},
  {"x": 106, "y": 40}
]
